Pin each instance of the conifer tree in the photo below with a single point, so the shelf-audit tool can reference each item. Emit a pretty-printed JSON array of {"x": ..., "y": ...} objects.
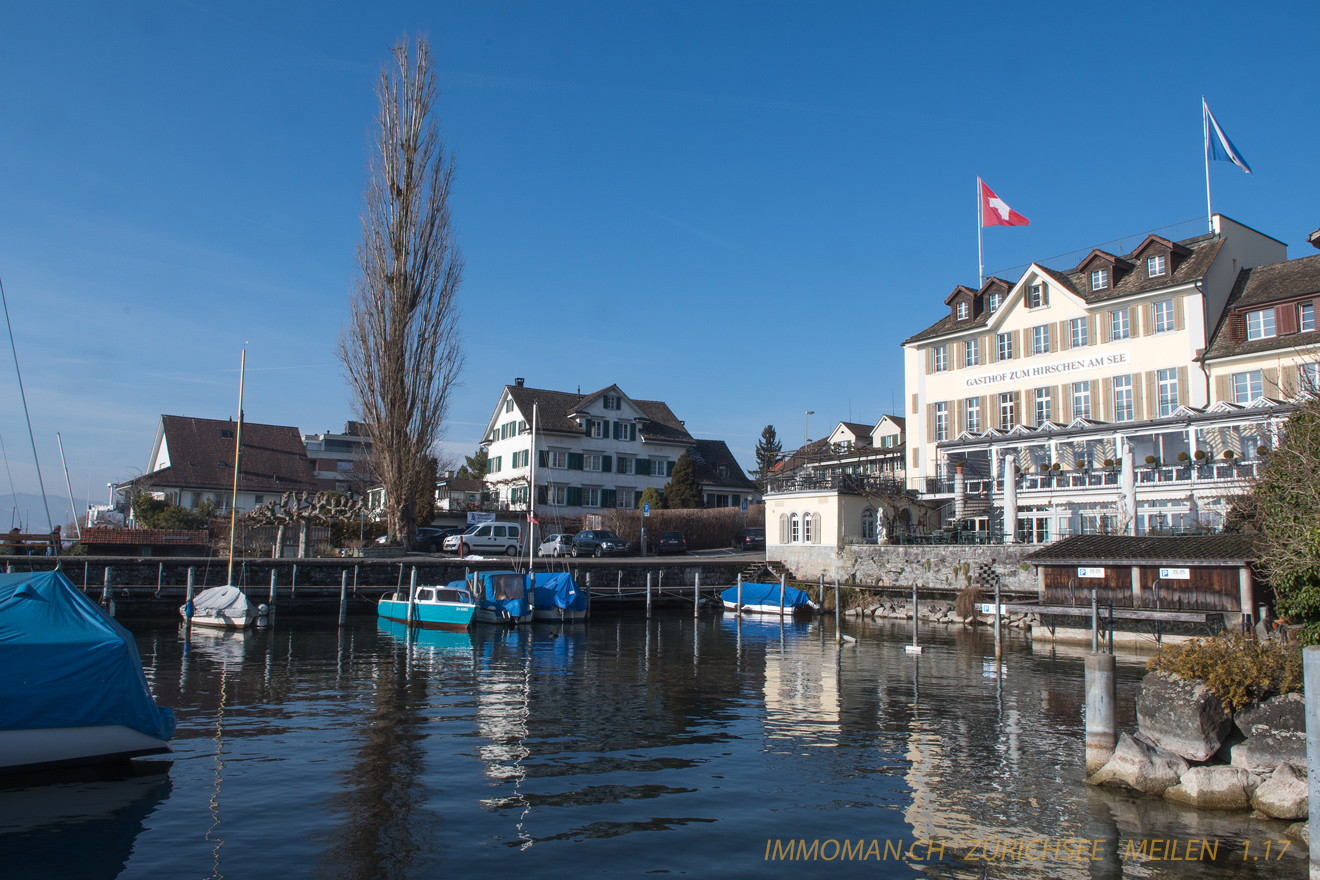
[
  {"x": 653, "y": 497},
  {"x": 682, "y": 491},
  {"x": 768, "y": 451}
]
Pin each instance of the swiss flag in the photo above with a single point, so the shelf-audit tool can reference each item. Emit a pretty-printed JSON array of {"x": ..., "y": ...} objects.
[{"x": 995, "y": 213}]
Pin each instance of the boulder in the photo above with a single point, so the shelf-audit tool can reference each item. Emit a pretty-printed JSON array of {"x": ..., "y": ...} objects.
[
  {"x": 1275, "y": 733},
  {"x": 1140, "y": 767},
  {"x": 1283, "y": 795},
  {"x": 1181, "y": 716},
  {"x": 1299, "y": 833},
  {"x": 1212, "y": 788}
]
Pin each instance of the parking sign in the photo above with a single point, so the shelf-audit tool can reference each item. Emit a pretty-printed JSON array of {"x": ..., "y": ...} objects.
[
  {"x": 646, "y": 509},
  {"x": 744, "y": 507}
]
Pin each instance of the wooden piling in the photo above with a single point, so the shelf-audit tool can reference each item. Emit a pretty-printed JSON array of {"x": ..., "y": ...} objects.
[{"x": 343, "y": 596}]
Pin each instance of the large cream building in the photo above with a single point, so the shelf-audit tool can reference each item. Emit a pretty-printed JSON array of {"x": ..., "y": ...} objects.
[{"x": 1062, "y": 376}]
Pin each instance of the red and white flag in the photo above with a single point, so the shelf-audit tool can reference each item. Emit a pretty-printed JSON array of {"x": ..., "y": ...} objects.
[{"x": 995, "y": 213}]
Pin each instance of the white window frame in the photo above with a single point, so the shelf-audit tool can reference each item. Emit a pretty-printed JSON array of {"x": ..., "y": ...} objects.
[
  {"x": 1308, "y": 377},
  {"x": 591, "y": 461},
  {"x": 1163, "y": 315},
  {"x": 557, "y": 460},
  {"x": 1099, "y": 279},
  {"x": 1156, "y": 266},
  {"x": 1260, "y": 324},
  {"x": 1167, "y": 388},
  {"x": 1305, "y": 317},
  {"x": 1040, "y": 339},
  {"x": 972, "y": 353},
  {"x": 964, "y": 310},
  {"x": 558, "y": 495},
  {"x": 1120, "y": 326},
  {"x": 1043, "y": 399},
  {"x": 1006, "y": 413},
  {"x": 1036, "y": 296},
  {"x": 942, "y": 421},
  {"x": 590, "y": 497},
  {"x": 939, "y": 359},
  {"x": 1123, "y": 401},
  {"x": 973, "y": 409},
  {"x": 996, "y": 300},
  {"x": 1081, "y": 400},
  {"x": 623, "y": 497},
  {"x": 794, "y": 529},
  {"x": 1005, "y": 342},
  {"x": 1247, "y": 387},
  {"x": 1077, "y": 333}
]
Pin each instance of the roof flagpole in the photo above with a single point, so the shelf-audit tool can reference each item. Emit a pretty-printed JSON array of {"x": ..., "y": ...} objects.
[
  {"x": 980, "y": 227},
  {"x": 1205, "y": 130}
]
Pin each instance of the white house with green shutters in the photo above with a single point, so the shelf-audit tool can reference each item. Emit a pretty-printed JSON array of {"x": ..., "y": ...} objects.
[{"x": 593, "y": 452}]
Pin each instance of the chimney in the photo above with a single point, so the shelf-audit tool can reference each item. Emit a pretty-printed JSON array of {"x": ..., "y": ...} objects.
[{"x": 518, "y": 382}]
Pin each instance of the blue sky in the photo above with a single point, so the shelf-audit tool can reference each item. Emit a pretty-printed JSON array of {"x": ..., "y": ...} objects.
[{"x": 739, "y": 208}]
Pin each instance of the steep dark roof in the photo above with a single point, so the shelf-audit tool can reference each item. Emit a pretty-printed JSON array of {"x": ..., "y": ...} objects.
[
  {"x": 1276, "y": 282},
  {"x": 1203, "y": 250},
  {"x": 901, "y": 421},
  {"x": 554, "y": 407},
  {"x": 1125, "y": 550},
  {"x": 864, "y": 431},
  {"x": 202, "y": 457},
  {"x": 708, "y": 455}
]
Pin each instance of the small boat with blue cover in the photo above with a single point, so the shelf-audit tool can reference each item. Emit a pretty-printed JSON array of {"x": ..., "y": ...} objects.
[
  {"x": 502, "y": 597},
  {"x": 449, "y": 608},
  {"x": 766, "y": 599},
  {"x": 557, "y": 596}
]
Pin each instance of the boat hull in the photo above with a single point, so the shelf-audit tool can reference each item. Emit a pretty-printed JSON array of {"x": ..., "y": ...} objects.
[
  {"x": 787, "y": 611},
  {"x": 221, "y": 621},
  {"x": 449, "y": 616},
  {"x": 488, "y": 614},
  {"x": 558, "y": 614},
  {"x": 43, "y": 748}
]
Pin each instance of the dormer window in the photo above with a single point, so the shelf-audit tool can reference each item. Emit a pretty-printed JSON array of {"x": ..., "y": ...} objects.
[
  {"x": 963, "y": 310},
  {"x": 1037, "y": 296},
  {"x": 1156, "y": 266},
  {"x": 996, "y": 299},
  {"x": 1100, "y": 279},
  {"x": 1260, "y": 325}
]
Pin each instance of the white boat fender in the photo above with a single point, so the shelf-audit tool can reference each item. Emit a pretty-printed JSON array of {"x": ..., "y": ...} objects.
[{"x": 848, "y": 640}]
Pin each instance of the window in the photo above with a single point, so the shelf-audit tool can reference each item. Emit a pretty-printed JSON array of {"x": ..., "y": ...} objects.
[
  {"x": 1077, "y": 333},
  {"x": 942, "y": 421},
  {"x": 940, "y": 359},
  {"x": 508, "y": 405},
  {"x": 1099, "y": 279},
  {"x": 1168, "y": 391},
  {"x": 1260, "y": 325},
  {"x": 974, "y": 415},
  {"x": 971, "y": 353},
  {"x": 1099, "y": 524},
  {"x": 1036, "y": 296},
  {"x": 1306, "y": 317},
  {"x": 558, "y": 459},
  {"x": 1247, "y": 387},
  {"x": 1163, "y": 316},
  {"x": 1122, "y": 398},
  {"x": 622, "y": 496},
  {"x": 1005, "y": 346},
  {"x": 658, "y": 468},
  {"x": 806, "y": 528},
  {"x": 963, "y": 311},
  {"x": 595, "y": 427},
  {"x": 591, "y": 498},
  {"x": 1040, "y": 339},
  {"x": 625, "y": 430},
  {"x": 1043, "y": 396},
  {"x": 613, "y": 402},
  {"x": 1309, "y": 378},
  {"x": 794, "y": 528},
  {"x": 591, "y": 462},
  {"x": 1155, "y": 266},
  {"x": 996, "y": 300},
  {"x": 558, "y": 495},
  {"x": 522, "y": 427},
  {"x": 622, "y": 465},
  {"x": 1006, "y": 410},
  {"x": 1118, "y": 324},
  {"x": 1081, "y": 396},
  {"x": 868, "y": 524}
]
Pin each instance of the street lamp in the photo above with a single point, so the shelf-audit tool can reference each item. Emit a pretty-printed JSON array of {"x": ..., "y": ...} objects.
[{"x": 806, "y": 420}]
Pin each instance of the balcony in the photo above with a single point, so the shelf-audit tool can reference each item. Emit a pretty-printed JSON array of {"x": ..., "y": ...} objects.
[
  {"x": 1109, "y": 479},
  {"x": 853, "y": 484}
]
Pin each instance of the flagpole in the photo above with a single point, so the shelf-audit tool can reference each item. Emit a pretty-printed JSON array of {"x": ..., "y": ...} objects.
[
  {"x": 1205, "y": 130},
  {"x": 980, "y": 260}
]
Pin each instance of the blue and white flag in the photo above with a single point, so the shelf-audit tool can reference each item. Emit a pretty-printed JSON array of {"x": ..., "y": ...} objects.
[{"x": 1217, "y": 144}]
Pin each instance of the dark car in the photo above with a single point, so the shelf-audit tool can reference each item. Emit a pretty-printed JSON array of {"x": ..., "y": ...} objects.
[
  {"x": 670, "y": 542},
  {"x": 749, "y": 539},
  {"x": 429, "y": 539},
  {"x": 598, "y": 542}
]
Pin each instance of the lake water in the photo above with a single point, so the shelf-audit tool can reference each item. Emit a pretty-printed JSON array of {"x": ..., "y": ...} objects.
[{"x": 619, "y": 746}]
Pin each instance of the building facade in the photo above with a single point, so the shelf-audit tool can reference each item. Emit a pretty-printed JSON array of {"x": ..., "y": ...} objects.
[{"x": 340, "y": 460}]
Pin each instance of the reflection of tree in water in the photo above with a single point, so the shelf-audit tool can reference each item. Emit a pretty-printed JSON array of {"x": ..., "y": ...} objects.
[{"x": 387, "y": 831}]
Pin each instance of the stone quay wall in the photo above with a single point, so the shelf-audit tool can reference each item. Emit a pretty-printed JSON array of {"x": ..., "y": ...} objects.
[{"x": 935, "y": 568}]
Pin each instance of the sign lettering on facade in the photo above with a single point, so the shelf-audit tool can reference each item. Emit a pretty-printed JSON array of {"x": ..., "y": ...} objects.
[
  {"x": 1052, "y": 368},
  {"x": 1175, "y": 574},
  {"x": 1090, "y": 572}
]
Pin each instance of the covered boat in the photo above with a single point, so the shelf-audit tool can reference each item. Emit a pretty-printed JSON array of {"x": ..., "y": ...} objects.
[
  {"x": 558, "y": 597},
  {"x": 502, "y": 597},
  {"x": 448, "y": 608},
  {"x": 765, "y": 599},
  {"x": 223, "y": 608},
  {"x": 73, "y": 690}
]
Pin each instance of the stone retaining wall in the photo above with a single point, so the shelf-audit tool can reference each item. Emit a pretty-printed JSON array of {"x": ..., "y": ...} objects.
[{"x": 930, "y": 567}]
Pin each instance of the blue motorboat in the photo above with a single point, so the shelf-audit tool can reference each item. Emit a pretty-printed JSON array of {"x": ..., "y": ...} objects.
[
  {"x": 449, "y": 608},
  {"x": 502, "y": 597},
  {"x": 557, "y": 596},
  {"x": 768, "y": 599}
]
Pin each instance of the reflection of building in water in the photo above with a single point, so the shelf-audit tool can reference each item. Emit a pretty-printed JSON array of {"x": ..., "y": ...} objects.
[{"x": 801, "y": 682}]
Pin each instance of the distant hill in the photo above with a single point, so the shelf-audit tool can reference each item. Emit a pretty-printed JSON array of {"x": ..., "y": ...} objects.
[{"x": 27, "y": 511}]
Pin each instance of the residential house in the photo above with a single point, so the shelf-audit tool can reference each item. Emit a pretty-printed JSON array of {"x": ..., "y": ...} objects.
[
  {"x": 721, "y": 478},
  {"x": 340, "y": 460}
]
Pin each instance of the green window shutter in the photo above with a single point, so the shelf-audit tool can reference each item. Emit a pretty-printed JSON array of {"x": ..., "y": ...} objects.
[
  {"x": 643, "y": 467},
  {"x": 586, "y": 427},
  {"x": 575, "y": 461},
  {"x": 670, "y": 472},
  {"x": 606, "y": 463},
  {"x": 637, "y": 498},
  {"x": 632, "y": 431},
  {"x": 737, "y": 501},
  {"x": 541, "y": 495},
  {"x": 574, "y": 496},
  {"x": 607, "y": 497},
  {"x": 543, "y": 458}
]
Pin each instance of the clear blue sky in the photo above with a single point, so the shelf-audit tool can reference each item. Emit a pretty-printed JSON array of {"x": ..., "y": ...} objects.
[{"x": 740, "y": 209}]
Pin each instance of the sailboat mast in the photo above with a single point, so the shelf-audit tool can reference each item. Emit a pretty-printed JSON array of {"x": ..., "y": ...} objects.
[
  {"x": 531, "y": 495},
  {"x": 238, "y": 451}
]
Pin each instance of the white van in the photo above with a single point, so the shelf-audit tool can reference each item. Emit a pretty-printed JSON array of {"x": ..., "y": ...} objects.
[{"x": 487, "y": 539}]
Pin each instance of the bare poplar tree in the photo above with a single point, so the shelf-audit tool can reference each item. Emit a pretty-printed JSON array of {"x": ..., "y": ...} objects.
[{"x": 401, "y": 349}]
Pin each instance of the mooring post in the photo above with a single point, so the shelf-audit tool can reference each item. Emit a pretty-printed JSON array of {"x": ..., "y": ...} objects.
[
  {"x": 999, "y": 639},
  {"x": 1311, "y": 685},
  {"x": 781, "y": 595},
  {"x": 355, "y": 577},
  {"x": 820, "y": 590},
  {"x": 274, "y": 578},
  {"x": 160, "y": 577},
  {"x": 1095, "y": 623},
  {"x": 343, "y": 596},
  {"x": 412, "y": 596},
  {"x": 1101, "y": 711},
  {"x": 738, "y": 610},
  {"x": 838, "y": 632},
  {"x": 293, "y": 582},
  {"x": 648, "y": 595},
  {"x": 188, "y": 602},
  {"x": 105, "y": 585},
  {"x": 9, "y": 569},
  {"x": 914, "y": 648},
  {"x": 696, "y": 594}
]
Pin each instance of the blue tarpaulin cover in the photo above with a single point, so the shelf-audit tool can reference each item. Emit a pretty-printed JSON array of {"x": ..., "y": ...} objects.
[
  {"x": 66, "y": 663},
  {"x": 766, "y": 594},
  {"x": 558, "y": 590}
]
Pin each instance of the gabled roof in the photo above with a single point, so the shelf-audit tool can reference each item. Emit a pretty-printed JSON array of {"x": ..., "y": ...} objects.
[
  {"x": 201, "y": 455},
  {"x": 1104, "y": 257},
  {"x": 1202, "y": 249},
  {"x": 708, "y": 455},
  {"x": 1231, "y": 549},
  {"x": 899, "y": 421},
  {"x": 960, "y": 289},
  {"x": 1273, "y": 283},
  {"x": 554, "y": 407}
]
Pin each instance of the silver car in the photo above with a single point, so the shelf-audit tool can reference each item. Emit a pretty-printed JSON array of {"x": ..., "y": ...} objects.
[{"x": 555, "y": 545}]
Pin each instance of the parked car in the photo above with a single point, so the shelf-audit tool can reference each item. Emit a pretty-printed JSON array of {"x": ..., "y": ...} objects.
[
  {"x": 749, "y": 539},
  {"x": 598, "y": 542},
  {"x": 487, "y": 539},
  {"x": 670, "y": 542},
  {"x": 555, "y": 545},
  {"x": 430, "y": 540}
]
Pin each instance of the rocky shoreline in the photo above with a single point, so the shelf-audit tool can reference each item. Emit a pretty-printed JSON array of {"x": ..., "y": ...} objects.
[{"x": 939, "y": 612}]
